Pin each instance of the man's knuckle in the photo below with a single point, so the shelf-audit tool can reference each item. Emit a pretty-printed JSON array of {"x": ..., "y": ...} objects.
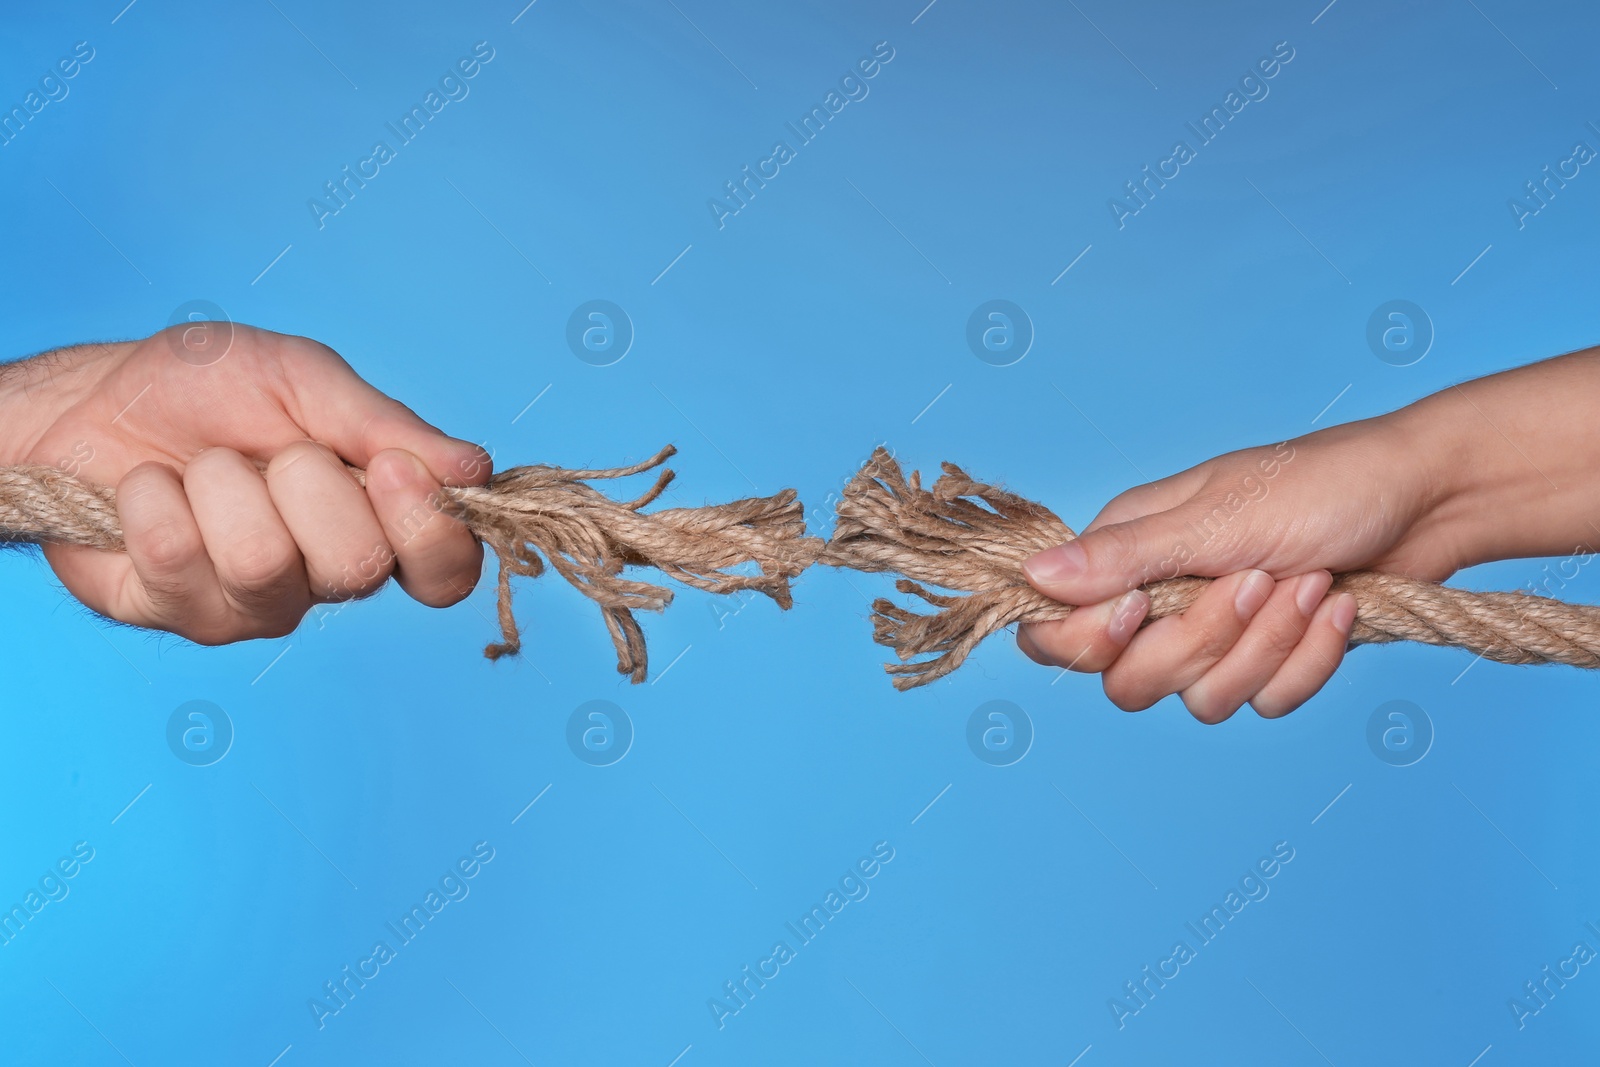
[
  {"x": 281, "y": 625},
  {"x": 297, "y": 454},
  {"x": 169, "y": 546},
  {"x": 441, "y": 595},
  {"x": 208, "y": 628},
  {"x": 261, "y": 562},
  {"x": 362, "y": 576}
]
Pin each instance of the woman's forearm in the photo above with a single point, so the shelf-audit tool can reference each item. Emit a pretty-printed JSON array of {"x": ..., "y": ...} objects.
[{"x": 1517, "y": 458}]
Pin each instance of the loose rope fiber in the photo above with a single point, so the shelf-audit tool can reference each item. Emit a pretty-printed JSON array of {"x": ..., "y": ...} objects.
[
  {"x": 527, "y": 515},
  {"x": 960, "y": 535},
  {"x": 973, "y": 538}
]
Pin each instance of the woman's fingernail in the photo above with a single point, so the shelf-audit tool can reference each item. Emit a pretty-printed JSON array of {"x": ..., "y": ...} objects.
[
  {"x": 1308, "y": 594},
  {"x": 418, "y": 468},
  {"x": 1253, "y": 592},
  {"x": 1344, "y": 613},
  {"x": 1058, "y": 564},
  {"x": 1126, "y": 615}
]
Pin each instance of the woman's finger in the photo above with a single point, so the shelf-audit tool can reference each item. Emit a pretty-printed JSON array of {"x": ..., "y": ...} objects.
[
  {"x": 1313, "y": 661},
  {"x": 1274, "y": 633},
  {"x": 1171, "y": 654},
  {"x": 1088, "y": 640}
]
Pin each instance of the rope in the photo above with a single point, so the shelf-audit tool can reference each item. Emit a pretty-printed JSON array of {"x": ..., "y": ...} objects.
[
  {"x": 960, "y": 535},
  {"x": 529, "y": 516},
  {"x": 969, "y": 537}
]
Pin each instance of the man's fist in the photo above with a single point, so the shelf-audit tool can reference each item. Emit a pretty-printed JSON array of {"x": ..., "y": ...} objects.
[{"x": 228, "y": 447}]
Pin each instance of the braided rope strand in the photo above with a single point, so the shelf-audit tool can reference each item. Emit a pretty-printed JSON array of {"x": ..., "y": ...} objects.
[
  {"x": 530, "y": 517},
  {"x": 959, "y": 535},
  {"x": 970, "y": 537}
]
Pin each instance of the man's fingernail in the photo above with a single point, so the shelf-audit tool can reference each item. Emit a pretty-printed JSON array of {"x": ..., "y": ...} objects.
[
  {"x": 473, "y": 465},
  {"x": 1308, "y": 594},
  {"x": 1127, "y": 614},
  {"x": 1059, "y": 564},
  {"x": 1344, "y": 613},
  {"x": 1252, "y": 593}
]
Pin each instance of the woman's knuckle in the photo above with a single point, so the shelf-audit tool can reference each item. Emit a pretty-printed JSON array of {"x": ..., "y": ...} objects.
[
  {"x": 1126, "y": 692},
  {"x": 1208, "y": 706}
]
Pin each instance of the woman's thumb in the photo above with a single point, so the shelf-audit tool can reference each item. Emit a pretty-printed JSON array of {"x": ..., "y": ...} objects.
[{"x": 1108, "y": 561}]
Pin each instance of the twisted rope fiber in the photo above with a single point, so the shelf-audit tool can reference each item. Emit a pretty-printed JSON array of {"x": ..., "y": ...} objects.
[
  {"x": 970, "y": 537},
  {"x": 961, "y": 535},
  {"x": 527, "y": 515}
]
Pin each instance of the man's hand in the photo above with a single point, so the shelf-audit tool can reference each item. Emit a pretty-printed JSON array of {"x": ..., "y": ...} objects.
[{"x": 227, "y": 446}]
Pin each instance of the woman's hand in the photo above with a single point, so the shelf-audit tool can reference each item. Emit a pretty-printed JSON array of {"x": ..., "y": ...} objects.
[
  {"x": 1272, "y": 525},
  {"x": 218, "y": 550}
]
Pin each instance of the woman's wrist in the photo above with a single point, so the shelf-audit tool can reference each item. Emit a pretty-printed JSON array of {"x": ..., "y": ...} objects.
[
  {"x": 1514, "y": 459},
  {"x": 1458, "y": 480}
]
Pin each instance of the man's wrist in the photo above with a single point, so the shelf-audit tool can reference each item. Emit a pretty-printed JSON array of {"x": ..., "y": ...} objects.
[
  {"x": 17, "y": 428},
  {"x": 36, "y": 391}
]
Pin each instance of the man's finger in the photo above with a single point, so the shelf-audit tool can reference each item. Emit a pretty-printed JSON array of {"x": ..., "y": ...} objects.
[
  {"x": 335, "y": 405},
  {"x": 328, "y": 513},
  {"x": 438, "y": 561},
  {"x": 258, "y": 565},
  {"x": 175, "y": 579}
]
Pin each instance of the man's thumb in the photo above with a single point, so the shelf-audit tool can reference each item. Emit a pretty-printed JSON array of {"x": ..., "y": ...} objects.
[{"x": 1111, "y": 560}]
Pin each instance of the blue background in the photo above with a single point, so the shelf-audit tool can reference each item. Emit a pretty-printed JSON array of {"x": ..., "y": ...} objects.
[{"x": 376, "y": 746}]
